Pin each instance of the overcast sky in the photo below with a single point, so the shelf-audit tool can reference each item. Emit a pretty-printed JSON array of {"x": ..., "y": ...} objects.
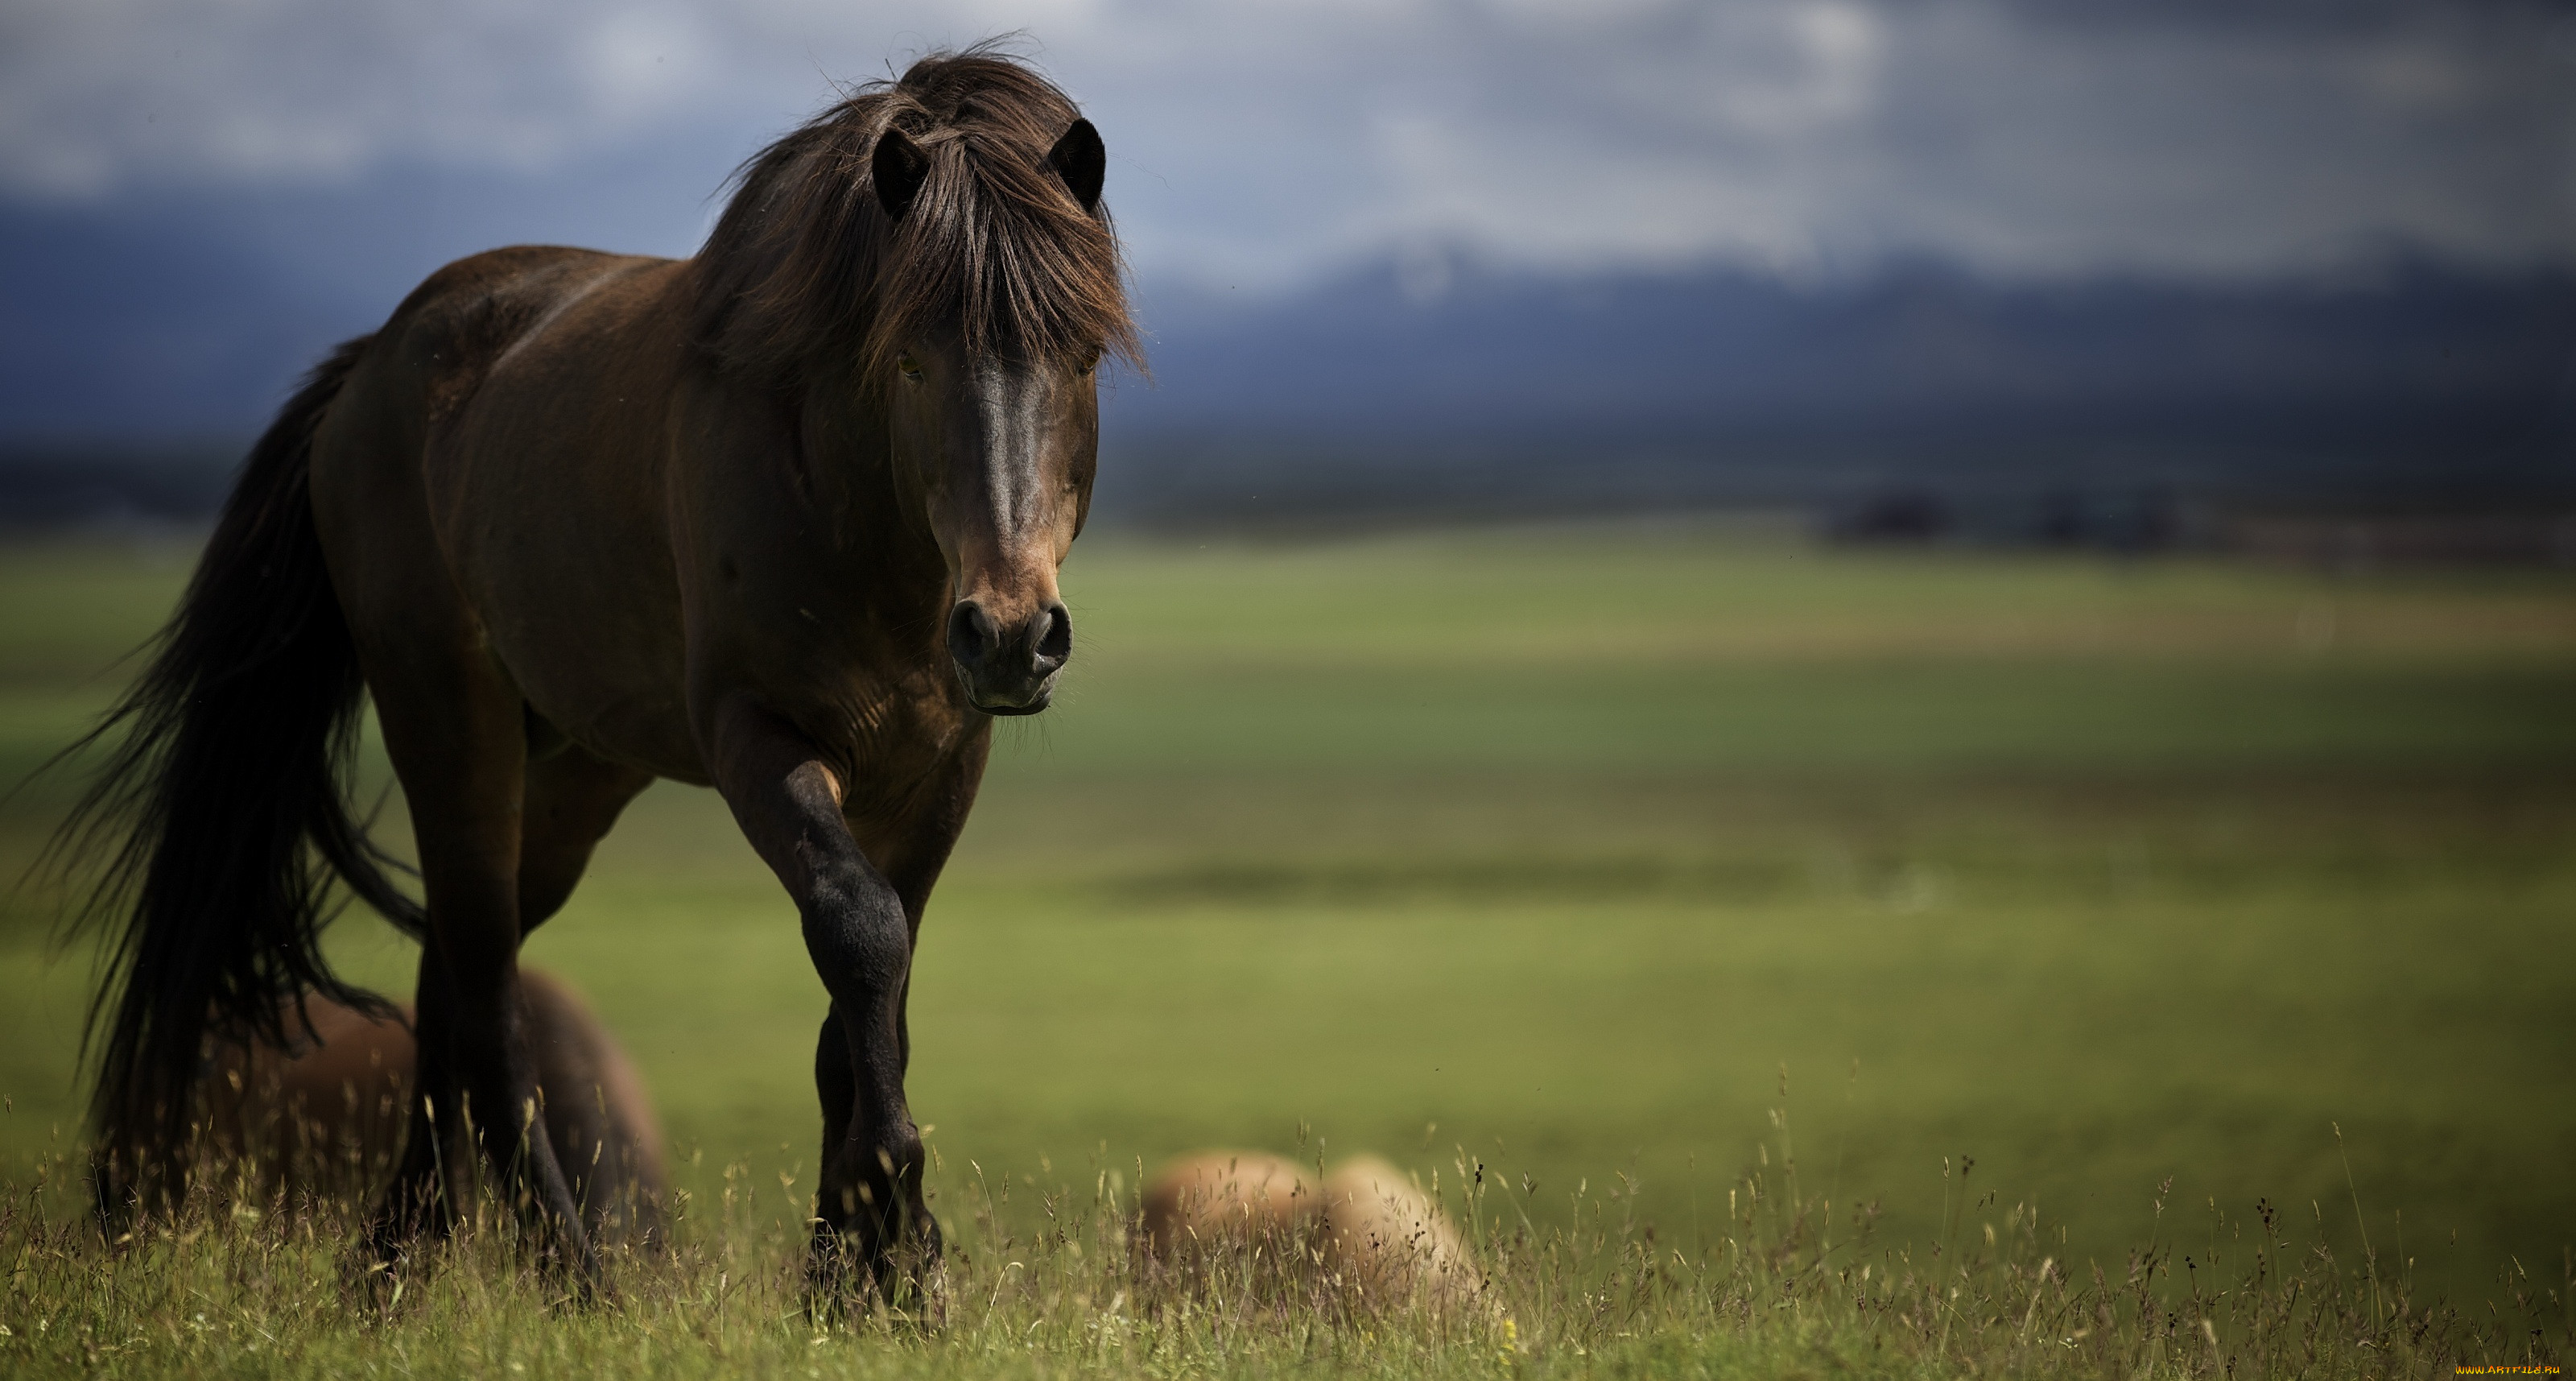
[{"x": 1263, "y": 142}]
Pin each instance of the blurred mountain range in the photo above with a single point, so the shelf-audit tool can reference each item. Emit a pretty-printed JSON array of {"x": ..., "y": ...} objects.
[
  {"x": 1433, "y": 383},
  {"x": 135, "y": 364}
]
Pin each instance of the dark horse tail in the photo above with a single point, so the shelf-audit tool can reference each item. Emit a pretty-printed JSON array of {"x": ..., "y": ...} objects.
[{"x": 222, "y": 817}]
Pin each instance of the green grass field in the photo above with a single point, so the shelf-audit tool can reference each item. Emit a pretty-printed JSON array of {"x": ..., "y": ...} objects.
[{"x": 1629, "y": 859}]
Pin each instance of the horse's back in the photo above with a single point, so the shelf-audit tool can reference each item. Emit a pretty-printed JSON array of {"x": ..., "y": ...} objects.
[
  {"x": 427, "y": 374},
  {"x": 491, "y": 478},
  {"x": 471, "y": 312},
  {"x": 434, "y": 354}
]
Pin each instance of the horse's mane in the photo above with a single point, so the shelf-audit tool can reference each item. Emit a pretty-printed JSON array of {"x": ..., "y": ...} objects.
[{"x": 806, "y": 272}]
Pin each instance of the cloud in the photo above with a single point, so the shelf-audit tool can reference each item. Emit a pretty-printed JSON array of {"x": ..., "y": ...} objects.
[
  {"x": 106, "y": 95},
  {"x": 1260, "y": 141}
]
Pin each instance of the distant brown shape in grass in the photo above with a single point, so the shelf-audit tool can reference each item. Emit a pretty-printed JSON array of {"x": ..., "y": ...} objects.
[
  {"x": 325, "y": 1119},
  {"x": 1209, "y": 1198},
  {"x": 1382, "y": 1231},
  {"x": 1368, "y": 1226}
]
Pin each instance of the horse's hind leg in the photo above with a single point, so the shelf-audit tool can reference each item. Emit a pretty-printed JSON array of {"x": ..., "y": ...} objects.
[
  {"x": 572, "y": 800},
  {"x": 420, "y": 1201},
  {"x": 454, "y": 727}
]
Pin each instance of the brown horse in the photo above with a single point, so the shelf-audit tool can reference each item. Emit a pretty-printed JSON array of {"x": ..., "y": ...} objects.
[
  {"x": 783, "y": 519},
  {"x": 324, "y": 1119}
]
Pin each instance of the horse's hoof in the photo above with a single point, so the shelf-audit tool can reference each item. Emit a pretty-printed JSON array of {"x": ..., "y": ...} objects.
[
  {"x": 844, "y": 1275},
  {"x": 581, "y": 1277},
  {"x": 378, "y": 1277},
  {"x": 927, "y": 1305}
]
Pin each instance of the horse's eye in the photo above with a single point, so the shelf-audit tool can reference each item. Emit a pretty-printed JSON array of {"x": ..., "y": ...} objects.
[
  {"x": 1090, "y": 361},
  {"x": 911, "y": 367}
]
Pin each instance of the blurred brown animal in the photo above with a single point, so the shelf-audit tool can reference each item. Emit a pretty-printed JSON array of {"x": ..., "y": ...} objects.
[
  {"x": 1221, "y": 1198},
  {"x": 1383, "y": 1232},
  {"x": 326, "y": 1119},
  {"x": 1368, "y": 1224}
]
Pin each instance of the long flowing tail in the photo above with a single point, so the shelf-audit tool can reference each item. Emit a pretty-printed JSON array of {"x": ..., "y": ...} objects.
[{"x": 221, "y": 820}]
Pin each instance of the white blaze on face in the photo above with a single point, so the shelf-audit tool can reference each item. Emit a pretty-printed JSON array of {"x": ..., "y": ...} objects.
[{"x": 1010, "y": 406}]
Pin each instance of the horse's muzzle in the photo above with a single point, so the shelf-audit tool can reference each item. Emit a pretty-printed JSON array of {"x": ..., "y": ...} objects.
[{"x": 1009, "y": 670}]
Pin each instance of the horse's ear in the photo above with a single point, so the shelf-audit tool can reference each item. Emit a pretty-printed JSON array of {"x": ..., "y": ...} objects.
[
  {"x": 897, "y": 169},
  {"x": 1079, "y": 159}
]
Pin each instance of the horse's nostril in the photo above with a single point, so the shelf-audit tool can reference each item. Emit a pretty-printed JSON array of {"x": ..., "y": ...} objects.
[
  {"x": 1054, "y": 629},
  {"x": 971, "y": 635}
]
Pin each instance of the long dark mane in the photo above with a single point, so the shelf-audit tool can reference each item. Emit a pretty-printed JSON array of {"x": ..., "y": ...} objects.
[{"x": 806, "y": 274}]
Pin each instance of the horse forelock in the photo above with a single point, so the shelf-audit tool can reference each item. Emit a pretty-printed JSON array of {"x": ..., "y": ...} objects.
[{"x": 805, "y": 271}]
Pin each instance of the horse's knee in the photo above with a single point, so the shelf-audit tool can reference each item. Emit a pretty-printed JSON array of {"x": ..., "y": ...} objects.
[{"x": 860, "y": 942}]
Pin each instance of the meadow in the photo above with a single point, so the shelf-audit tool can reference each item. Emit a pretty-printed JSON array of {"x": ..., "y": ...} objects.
[{"x": 1947, "y": 893}]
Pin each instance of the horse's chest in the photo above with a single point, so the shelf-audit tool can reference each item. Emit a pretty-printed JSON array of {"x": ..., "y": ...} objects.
[{"x": 895, "y": 739}]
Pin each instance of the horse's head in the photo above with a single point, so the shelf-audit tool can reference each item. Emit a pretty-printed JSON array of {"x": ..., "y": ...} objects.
[
  {"x": 1002, "y": 450},
  {"x": 999, "y": 433},
  {"x": 969, "y": 274}
]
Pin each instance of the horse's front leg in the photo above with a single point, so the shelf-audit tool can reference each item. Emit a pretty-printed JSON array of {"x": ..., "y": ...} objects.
[{"x": 869, "y": 1205}]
